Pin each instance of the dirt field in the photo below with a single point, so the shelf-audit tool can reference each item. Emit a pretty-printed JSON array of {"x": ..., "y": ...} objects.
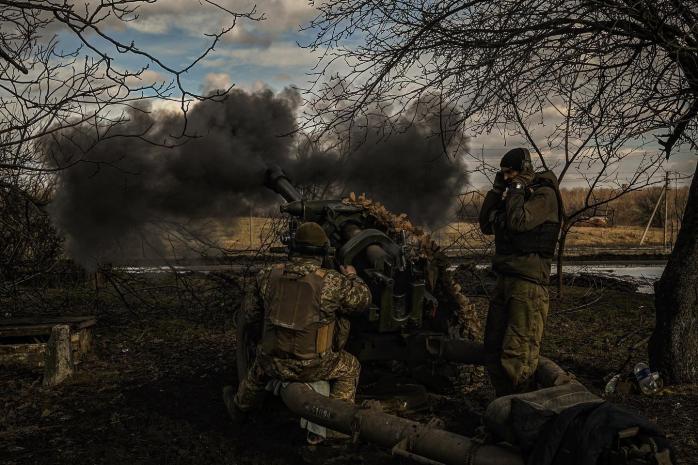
[{"x": 150, "y": 394}]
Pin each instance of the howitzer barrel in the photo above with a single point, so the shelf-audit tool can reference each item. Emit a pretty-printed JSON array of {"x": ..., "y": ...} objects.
[
  {"x": 276, "y": 180},
  {"x": 406, "y": 438}
]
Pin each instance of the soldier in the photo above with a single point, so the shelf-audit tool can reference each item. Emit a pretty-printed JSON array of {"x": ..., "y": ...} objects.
[
  {"x": 300, "y": 303},
  {"x": 523, "y": 210}
]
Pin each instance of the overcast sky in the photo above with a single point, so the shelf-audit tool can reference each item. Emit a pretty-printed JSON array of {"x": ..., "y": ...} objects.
[{"x": 265, "y": 53}]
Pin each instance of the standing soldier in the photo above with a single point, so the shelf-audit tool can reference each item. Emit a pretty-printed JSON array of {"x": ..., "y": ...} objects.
[
  {"x": 300, "y": 303},
  {"x": 523, "y": 210}
]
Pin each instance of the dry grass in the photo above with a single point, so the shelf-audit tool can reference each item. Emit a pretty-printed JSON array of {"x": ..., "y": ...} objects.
[
  {"x": 468, "y": 235},
  {"x": 617, "y": 235},
  {"x": 237, "y": 234}
]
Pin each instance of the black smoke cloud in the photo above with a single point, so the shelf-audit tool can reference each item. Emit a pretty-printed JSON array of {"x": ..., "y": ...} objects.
[
  {"x": 127, "y": 184},
  {"x": 416, "y": 169}
]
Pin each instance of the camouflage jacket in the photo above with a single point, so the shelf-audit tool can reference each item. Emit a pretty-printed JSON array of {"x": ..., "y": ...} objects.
[{"x": 341, "y": 294}]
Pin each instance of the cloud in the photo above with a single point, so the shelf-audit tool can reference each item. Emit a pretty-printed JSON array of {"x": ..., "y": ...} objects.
[
  {"x": 280, "y": 16},
  {"x": 217, "y": 81},
  {"x": 683, "y": 163},
  {"x": 163, "y": 106},
  {"x": 146, "y": 78},
  {"x": 278, "y": 56}
]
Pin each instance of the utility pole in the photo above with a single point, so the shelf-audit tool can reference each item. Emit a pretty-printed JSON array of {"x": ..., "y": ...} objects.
[
  {"x": 250, "y": 226},
  {"x": 654, "y": 212},
  {"x": 666, "y": 207}
]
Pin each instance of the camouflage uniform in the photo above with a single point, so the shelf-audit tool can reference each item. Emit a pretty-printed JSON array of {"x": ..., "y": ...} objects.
[
  {"x": 339, "y": 295},
  {"x": 528, "y": 220}
]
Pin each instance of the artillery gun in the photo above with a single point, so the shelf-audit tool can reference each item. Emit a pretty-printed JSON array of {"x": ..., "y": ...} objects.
[{"x": 405, "y": 322}]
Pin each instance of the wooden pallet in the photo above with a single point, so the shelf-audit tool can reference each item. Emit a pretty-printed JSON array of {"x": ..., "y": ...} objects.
[{"x": 24, "y": 340}]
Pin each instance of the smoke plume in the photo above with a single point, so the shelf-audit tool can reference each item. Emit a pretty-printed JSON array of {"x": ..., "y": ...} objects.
[
  {"x": 416, "y": 169},
  {"x": 123, "y": 186}
]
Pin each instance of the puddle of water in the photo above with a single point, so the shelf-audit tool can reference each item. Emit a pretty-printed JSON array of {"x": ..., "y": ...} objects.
[{"x": 644, "y": 276}]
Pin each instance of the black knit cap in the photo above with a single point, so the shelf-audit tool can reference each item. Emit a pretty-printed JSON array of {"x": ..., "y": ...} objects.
[{"x": 514, "y": 159}]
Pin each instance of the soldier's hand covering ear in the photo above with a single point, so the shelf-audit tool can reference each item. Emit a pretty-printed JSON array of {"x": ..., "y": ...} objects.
[
  {"x": 525, "y": 177},
  {"x": 499, "y": 185}
]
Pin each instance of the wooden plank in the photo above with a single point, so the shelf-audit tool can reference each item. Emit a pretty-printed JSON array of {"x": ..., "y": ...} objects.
[
  {"x": 86, "y": 323},
  {"x": 19, "y": 331},
  {"x": 37, "y": 320},
  {"x": 42, "y": 326},
  {"x": 32, "y": 353},
  {"x": 23, "y": 354}
]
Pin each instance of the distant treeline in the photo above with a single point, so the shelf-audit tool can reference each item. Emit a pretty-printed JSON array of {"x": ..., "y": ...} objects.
[{"x": 631, "y": 209}]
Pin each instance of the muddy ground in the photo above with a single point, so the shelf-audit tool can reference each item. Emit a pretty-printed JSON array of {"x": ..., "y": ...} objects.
[{"x": 150, "y": 391}]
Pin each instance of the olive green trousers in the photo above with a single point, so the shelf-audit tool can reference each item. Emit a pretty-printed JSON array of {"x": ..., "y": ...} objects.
[{"x": 513, "y": 333}]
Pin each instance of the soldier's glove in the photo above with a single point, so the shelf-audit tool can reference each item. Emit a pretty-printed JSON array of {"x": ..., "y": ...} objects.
[
  {"x": 499, "y": 185},
  {"x": 521, "y": 180}
]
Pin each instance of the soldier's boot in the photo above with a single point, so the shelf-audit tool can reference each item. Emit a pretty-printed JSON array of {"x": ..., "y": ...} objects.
[{"x": 236, "y": 415}]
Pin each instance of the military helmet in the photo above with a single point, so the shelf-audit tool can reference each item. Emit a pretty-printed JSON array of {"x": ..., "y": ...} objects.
[
  {"x": 311, "y": 234},
  {"x": 518, "y": 159}
]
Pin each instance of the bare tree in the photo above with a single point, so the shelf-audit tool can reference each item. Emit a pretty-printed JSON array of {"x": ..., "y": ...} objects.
[
  {"x": 479, "y": 54},
  {"x": 48, "y": 84}
]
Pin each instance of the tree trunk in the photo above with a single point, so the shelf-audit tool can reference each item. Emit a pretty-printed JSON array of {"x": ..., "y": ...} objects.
[
  {"x": 560, "y": 258},
  {"x": 673, "y": 347}
]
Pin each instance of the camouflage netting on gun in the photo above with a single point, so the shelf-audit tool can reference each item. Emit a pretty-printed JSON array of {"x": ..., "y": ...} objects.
[{"x": 465, "y": 322}]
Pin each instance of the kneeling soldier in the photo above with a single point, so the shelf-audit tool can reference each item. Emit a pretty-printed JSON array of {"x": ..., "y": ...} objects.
[{"x": 299, "y": 303}]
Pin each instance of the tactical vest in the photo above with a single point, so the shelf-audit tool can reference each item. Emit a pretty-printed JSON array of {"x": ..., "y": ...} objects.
[
  {"x": 295, "y": 325},
  {"x": 541, "y": 240}
]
